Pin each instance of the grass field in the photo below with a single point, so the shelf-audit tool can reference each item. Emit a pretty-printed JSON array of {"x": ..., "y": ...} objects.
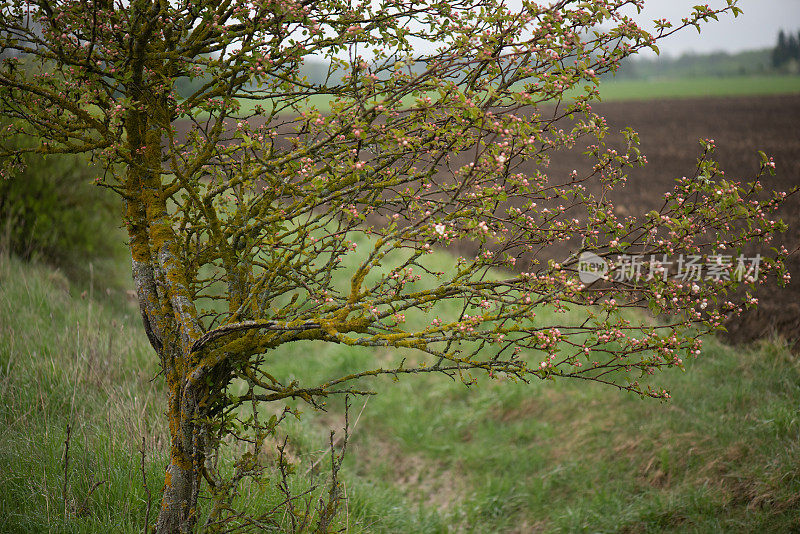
[
  {"x": 67, "y": 360},
  {"x": 428, "y": 455},
  {"x": 617, "y": 90},
  {"x": 656, "y": 89}
]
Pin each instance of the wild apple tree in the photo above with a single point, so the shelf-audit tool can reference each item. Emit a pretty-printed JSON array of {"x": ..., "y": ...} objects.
[{"x": 247, "y": 190}]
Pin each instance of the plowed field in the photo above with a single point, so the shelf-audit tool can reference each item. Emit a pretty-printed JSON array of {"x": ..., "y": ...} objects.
[{"x": 670, "y": 131}]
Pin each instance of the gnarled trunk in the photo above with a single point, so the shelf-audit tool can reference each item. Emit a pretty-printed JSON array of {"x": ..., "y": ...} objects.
[
  {"x": 182, "y": 477},
  {"x": 168, "y": 312},
  {"x": 178, "y": 511}
]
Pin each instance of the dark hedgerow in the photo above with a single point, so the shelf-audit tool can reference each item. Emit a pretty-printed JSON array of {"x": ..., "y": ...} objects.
[{"x": 51, "y": 212}]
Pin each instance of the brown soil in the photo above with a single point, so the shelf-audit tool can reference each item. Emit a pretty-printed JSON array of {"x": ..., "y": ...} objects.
[{"x": 670, "y": 132}]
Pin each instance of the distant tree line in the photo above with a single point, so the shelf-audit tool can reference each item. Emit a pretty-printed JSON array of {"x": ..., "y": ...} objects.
[
  {"x": 787, "y": 51},
  {"x": 692, "y": 65}
]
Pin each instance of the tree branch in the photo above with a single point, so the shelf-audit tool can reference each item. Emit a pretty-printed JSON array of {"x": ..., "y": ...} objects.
[{"x": 224, "y": 330}]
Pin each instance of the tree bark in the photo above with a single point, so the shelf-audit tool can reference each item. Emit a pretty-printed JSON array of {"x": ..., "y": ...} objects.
[
  {"x": 178, "y": 512},
  {"x": 169, "y": 315},
  {"x": 182, "y": 477}
]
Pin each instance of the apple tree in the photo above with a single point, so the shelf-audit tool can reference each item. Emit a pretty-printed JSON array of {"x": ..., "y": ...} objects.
[{"x": 249, "y": 184}]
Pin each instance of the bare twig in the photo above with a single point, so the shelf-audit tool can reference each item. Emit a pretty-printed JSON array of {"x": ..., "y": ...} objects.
[
  {"x": 283, "y": 485},
  {"x": 146, "y": 490},
  {"x": 85, "y": 502},
  {"x": 66, "y": 466},
  {"x": 327, "y": 510},
  {"x": 338, "y": 440}
]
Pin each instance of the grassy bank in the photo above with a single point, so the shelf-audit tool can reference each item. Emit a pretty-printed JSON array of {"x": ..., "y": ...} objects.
[
  {"x": 427, "y": 454},
  {"x": 573, "y": 457},
  {"x": 73, "y": 373},
  {"x": 722, "y": 456}
]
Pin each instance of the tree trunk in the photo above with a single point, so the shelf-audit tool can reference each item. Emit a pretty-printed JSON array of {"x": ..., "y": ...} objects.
[
  {"x": 177, "y": 514},
  {"x": 167, "y": 307},
  {"x": 182, "y": 478}
]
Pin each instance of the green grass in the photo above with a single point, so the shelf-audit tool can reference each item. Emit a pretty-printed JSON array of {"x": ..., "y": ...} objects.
[
  {"x": 570, "y": 457},
  {"x": 64, "y": 361},
  {"x": 566, "y": 457},
  {"x": 712, "y": 87},
  {"x": 613, "y": 90},
  {"x": 427, "y": 454}
]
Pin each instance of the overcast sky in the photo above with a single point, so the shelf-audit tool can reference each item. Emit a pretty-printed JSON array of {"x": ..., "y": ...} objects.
[{"x": 757, "y": 27}]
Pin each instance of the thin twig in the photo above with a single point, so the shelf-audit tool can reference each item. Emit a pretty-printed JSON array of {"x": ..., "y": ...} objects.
[
  {"x": 338, "y": 440},
  {"x": 327, "y": 511},
  {"x": 85, "y": 502},
  {"x": 76, "y": 379},
  {"x": 66, "y": 467},
  {"x": 283, "y": 485},
  {"x": 147, "y": 491}
]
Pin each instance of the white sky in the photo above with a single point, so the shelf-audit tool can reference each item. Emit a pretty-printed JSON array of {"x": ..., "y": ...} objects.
[{"x": 756, "y": 27}]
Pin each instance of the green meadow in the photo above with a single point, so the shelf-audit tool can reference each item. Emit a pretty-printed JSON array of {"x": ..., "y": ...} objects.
[
  {"x": 620, "y": 90},
  {"x": 698, "y": 87},
  {"x": 427, "y": 454}
]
